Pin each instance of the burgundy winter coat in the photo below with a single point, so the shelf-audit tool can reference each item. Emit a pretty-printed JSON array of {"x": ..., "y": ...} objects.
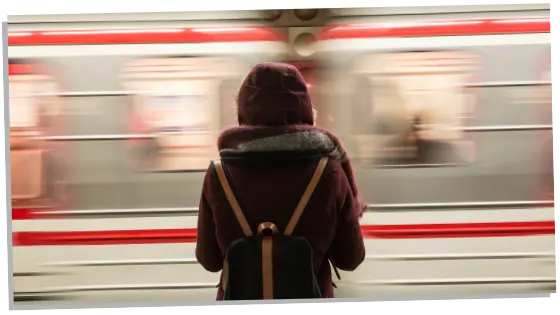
[{"x": 268, "y": 160}]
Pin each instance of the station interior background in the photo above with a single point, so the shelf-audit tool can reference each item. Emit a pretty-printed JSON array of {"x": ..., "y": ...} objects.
[{"x": 445, "y": 111}]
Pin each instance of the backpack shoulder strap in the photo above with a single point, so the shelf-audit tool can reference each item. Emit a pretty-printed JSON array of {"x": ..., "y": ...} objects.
[
  {"x": 231, "y": 198},
  {"x": 306, "y": 196}
]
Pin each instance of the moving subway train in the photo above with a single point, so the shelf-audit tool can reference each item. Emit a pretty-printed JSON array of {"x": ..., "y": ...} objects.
[{"x": 447, "y": 120}]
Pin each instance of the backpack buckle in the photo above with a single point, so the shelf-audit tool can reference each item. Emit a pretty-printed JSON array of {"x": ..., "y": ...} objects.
[{"x": 267, "y": 228}]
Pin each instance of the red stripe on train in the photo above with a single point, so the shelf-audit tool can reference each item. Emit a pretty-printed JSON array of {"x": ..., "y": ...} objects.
[
  {"x": 143, "y": 36},
  {"x": 410, "y": 231},
  {"x": 437, "y": 28},
  {"x": 32, "y": 69},
  {"x": 21, "y": 69},
  {"x": 249, "y": 34}
]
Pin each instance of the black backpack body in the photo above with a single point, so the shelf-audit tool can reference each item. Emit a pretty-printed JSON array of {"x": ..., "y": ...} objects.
[{"x": 267, "y": 263}]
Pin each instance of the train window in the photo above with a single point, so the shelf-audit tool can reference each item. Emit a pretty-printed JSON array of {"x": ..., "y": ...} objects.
[
  {"x": 23, "y": 109},
  {"x": 35, "y": 177},
  {"x": 411, "y": 108},
  {"x": 176, "y": 105},
  {"x": 25, "y": 156}
]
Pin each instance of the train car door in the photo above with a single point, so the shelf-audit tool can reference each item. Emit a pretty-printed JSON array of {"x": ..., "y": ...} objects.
[{"x": 38, "y": 172}]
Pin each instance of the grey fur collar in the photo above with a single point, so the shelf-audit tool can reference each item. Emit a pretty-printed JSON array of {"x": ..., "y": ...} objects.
[{"x": 297, "y": 141}]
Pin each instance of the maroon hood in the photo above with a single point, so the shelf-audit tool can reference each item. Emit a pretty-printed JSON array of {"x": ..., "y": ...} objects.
[{"x": 274, "y": 94}]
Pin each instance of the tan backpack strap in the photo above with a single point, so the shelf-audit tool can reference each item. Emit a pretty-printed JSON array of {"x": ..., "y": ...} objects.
[
  {"x": 267, "y": 247},
  {"x": 268, "y": 268},
  {"x": 306, "y": 195},
  {"x": 231, "y": 199}
]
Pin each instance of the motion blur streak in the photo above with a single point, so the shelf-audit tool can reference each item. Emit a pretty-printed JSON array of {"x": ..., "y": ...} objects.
[{"x": 112, "y": 125}]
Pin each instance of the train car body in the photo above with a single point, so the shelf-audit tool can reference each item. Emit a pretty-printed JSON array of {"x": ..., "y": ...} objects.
[
  {"x": 144, "y": 104},
  {"x": 127, "y": 232},
  {"x": 462, "y": 75}
]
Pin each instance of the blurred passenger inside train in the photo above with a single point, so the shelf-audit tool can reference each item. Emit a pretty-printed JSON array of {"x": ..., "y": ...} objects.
[{"x": 269, "y": 160}]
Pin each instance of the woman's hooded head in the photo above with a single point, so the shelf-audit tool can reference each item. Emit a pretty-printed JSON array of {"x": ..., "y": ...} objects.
[{"x": 274, "y": 94}]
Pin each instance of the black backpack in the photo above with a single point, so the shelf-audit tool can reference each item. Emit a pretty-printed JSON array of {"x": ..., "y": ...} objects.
[{"x": 268, "y": 264}]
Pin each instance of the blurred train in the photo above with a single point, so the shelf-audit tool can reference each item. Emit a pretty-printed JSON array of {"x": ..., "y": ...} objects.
[{"x": 447, "y": 117}]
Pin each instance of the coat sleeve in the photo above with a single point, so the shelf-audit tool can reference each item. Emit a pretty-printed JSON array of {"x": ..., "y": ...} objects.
[
  {"x": 347, "y": 250},
  {"x": 208, "y": 251}
]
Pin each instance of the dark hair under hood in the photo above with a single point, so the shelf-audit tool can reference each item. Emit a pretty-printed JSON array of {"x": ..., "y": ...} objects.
[{"x": 275, "y": 113}]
